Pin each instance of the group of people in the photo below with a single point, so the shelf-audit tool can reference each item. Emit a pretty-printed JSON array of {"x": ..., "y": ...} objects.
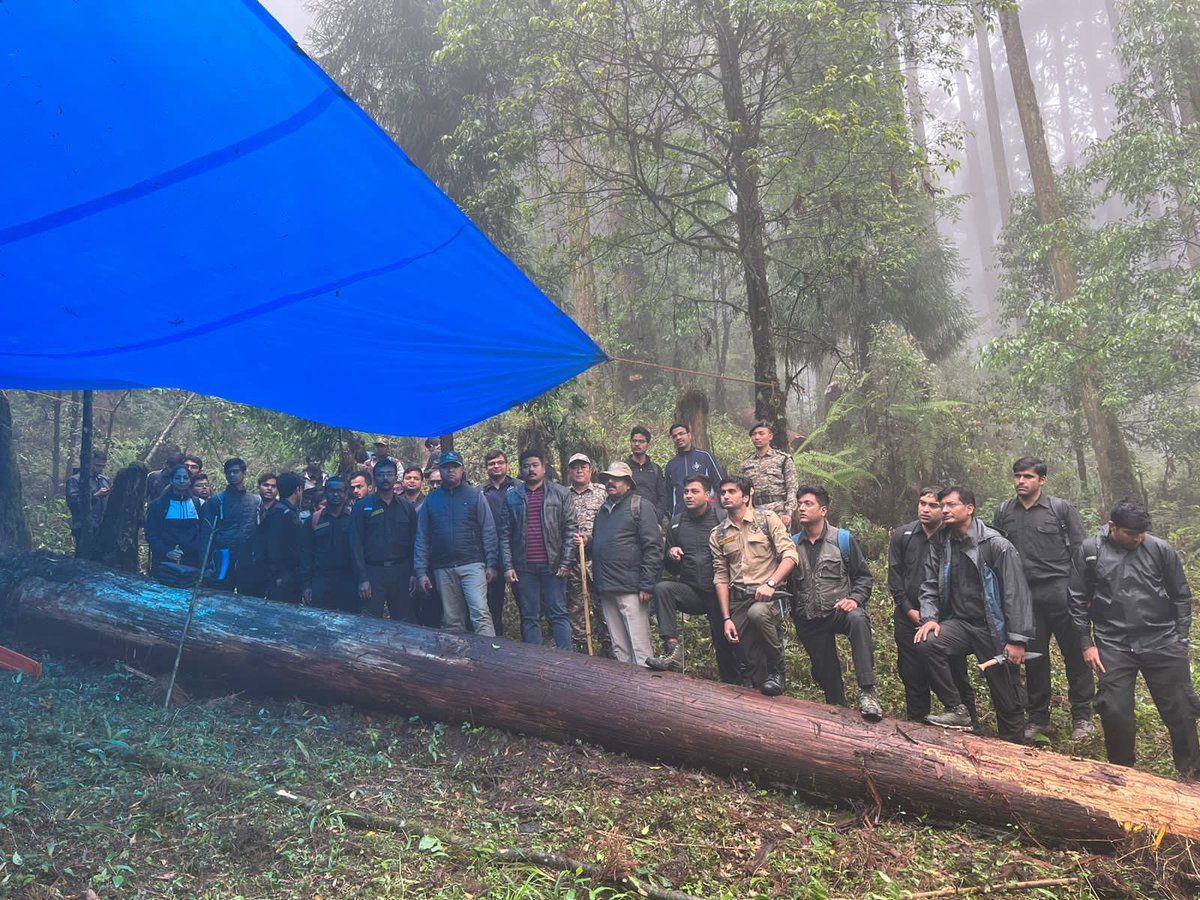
[{"x": 591, "y": 558}]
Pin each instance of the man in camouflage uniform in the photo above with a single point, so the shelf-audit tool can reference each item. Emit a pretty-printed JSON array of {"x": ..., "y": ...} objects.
[
  {"x": 585, "y": 499},
  {"x": 773, "y": 474}
]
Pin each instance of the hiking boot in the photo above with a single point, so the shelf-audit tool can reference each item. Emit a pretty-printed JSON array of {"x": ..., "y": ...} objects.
[
  {"x": 958, "y": 717},
  {"x": 670, "y": 661},
  {"x": 773, "y": 686},
  {"x": 1084, "y": 729},
  {"x": 1035, "y": 730},
  {"x": 868, "y": 705}
]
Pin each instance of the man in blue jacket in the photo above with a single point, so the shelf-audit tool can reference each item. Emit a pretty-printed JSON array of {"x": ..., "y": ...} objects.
[
  {"x": 456, "y": 539},
  {"x": 975, "y": 599},
  {"x": 688, "y": 461}
]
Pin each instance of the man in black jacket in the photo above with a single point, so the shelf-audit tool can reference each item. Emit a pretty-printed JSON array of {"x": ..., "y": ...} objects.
[
  {"x": 689, "y": 558},
  {"x": 1047, "y": 532},
  {"x": 906, "y": 570},
  {"x": 233, "y": 513},
  {"x": 279, "y": 536},
  {"x": 1132, "y": 608},
  {"x": 326, "y": 563},
  {"x": 383, "y": 530},
  {"x": 651, "y": 478}
]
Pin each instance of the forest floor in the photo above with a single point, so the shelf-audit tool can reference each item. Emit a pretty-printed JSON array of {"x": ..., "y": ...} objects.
[{"x": 104, "y": 794}]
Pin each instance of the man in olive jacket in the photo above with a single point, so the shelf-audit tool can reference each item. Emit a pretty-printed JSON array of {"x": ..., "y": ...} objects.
[
  {"x": 537, "y": 546},
  {"x": 626, "y": 559}
]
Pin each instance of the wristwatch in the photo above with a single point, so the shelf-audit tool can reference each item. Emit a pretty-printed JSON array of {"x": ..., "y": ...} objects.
[{"x": 771, "y": 583}]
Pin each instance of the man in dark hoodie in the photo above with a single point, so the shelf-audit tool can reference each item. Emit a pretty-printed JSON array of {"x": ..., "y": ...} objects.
[
  {"x": 326, "y": 563},
  {"x": 279, "y": 537},
  {"x": 233, "y": 514},
  {"x": 975, "y": 599}
]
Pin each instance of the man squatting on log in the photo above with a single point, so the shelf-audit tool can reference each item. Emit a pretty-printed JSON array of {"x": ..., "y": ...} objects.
[{"x": 1116, "y": 603}]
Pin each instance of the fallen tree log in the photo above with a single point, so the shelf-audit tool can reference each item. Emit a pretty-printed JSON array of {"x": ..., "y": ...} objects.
[{"x": 821, "y": 751}]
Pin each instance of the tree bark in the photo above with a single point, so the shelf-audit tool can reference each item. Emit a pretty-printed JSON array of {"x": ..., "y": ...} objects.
[
  {"x": 83, "y": 548},
  {"x": 14, "y": 530},
  {"x": 56, "y": 450},
  {"x": 116, "y": 541},
  {"x": 991, "y": 105},
  {"x": 1113, "y": 461},
  {"x": 981, "y": 209},
  {"x": 692, "y": 409},
  {"x": 751, "y": 226},
  {"x": 824, "y": 752}
]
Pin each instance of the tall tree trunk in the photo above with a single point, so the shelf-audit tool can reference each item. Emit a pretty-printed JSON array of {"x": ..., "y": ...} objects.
[
  {"x": 56, "y": 458},
  {"x": 14, "y": 530},
  {"x": 1113, "y": 461},
  {"x": 991, "y": 105},
  {"x": 579, "y": 242},
  {"x": 981, "y": 209},
  {"x": 769, "y": 402},
  {"x": 112, "y": 418},
  {"x": 1066, "y": 122},
  {"x": 72, "y": 436},
  {"x": 86, "y": 531},
  {"x": 692, "y": 409}
]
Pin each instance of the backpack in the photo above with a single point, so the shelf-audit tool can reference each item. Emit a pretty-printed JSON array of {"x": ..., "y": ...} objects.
[{"x": 843, "y": 542}]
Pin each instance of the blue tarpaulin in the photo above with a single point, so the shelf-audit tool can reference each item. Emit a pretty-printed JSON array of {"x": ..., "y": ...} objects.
[{"x": 187, "y": 201}]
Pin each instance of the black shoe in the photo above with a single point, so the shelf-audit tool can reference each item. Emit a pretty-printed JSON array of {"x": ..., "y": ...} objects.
[
  {"x": 670, "y": 661},
  {"x": 958, "y": 717},
  {"x": 773, "y": 686},
  {"x": 868, "y": 705}
]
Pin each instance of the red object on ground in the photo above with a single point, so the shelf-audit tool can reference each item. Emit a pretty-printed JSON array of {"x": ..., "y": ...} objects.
[{"x": 15, "y": 662}]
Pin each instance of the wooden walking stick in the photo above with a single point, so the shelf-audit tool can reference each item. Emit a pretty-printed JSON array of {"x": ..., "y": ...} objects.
[{"x": 587, "y": 600}]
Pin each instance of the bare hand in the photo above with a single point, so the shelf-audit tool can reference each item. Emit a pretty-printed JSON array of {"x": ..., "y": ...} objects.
[
  {"x": 562, "y": 572},
  {"x": 425, "y": 584},
  {"x": 764, "y": 593},
  {"x": 645, "y": 596},
  {"x": 846, "y": 605},
  {"x": 490, "y": 574},
  {"x": 364, "y": 590},
  {"x": 1091, "y": 656},
  {"x": 1015, "y": 653},
  {"x": 926, "y": 630},
  {"x": 786, "y": 520},
  {"x": 580, "y": 540},
  {"x": 914, "y": 617},
  {"x": 306, "y": 597},
  {"x": 511, "y": 576},
  {"x": 676, "y": 553},
  {"x": 731, "y": 633}
]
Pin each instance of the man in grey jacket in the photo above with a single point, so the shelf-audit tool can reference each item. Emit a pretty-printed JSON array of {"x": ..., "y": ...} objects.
[
  {"x": 456, "y": 539},
  {"x": 626, "y": 558},
  {"x": 975, "y": 599},
  {"x": 1132, "y": 607},
  {"x": 537, "y": 546}
]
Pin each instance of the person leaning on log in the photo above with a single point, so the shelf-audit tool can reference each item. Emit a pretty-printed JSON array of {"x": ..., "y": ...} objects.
[
  {"x": 277, "y": 543},
  {"x": 326, "y": 563},
  {"x": 233, "y": 514},
  {"x": 1132, "y": 608},
  {"x": 907, "y": 551},
  {"x": 537, "y": 546},
  {"x": 752, "y": 556},
  {"x": 689, "y": 559},
  {"x": 772, "y": 472},
  {"x": 833, "y": 584},
  {"x": 626, "y": 558},
  {"x": 974, "y": 599},
  {"x": 173, "y": 524},
  {"x": 383, "y": 532}
]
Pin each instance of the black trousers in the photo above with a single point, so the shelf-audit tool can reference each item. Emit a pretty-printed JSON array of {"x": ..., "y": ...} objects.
[
  {"x": 284, "y": 590},
  {"x": 819, "y": 639},
  {"x": 390, "y": 592},
  {"x": 337, "y": 592},
  {"x": 958, "y": 638},
  {"x": 495, "y": 600},
  {"x": 910, "y": 666},
  {"x": 1051, "y": 617},
  {"x": 1168, "y": 677},
  {"x": 673, "y": 597}
]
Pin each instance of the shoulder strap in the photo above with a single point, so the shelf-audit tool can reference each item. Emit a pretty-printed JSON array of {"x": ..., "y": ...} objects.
[
  {"x": 675, "y": 520},
  {"x": 760, "y": 519},
  {"x": 843, "y": 539},
  {"x": 1058, "y": 507},
  {"x": 635, "y": 506}
]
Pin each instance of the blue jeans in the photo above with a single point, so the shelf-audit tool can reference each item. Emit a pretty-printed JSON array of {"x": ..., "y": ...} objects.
[{"x": 540, "y": 591}]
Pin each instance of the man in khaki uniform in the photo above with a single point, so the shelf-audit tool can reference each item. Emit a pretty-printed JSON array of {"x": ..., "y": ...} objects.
[
  {"x": 585, "y": 499},
  {"x": 752, "y": 556},
  {"x": 772, "y": 472}
]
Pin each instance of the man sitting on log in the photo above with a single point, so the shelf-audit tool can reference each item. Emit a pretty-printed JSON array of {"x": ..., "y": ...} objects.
[
  {"x": 752, "y": 556},
  {"x": 1132, "y": 607},
  {"x": 833, "y": 584},
  {"x": 383, "y": 530},
  {"x": 690, "y": 559},
  {"x": 907, "y": 551},
  {"x": 974, "y": 599}
]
